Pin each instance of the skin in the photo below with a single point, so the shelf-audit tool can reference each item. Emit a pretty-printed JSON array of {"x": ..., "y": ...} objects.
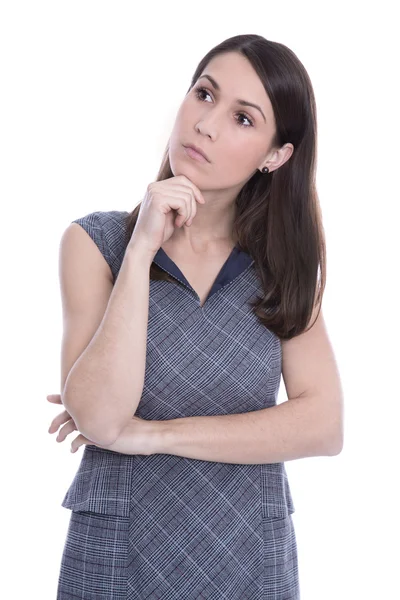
[
  {"x": 308, "y": 364},
  {"x": 212, "y": 121},
  {"x": 138, "y": 437}
]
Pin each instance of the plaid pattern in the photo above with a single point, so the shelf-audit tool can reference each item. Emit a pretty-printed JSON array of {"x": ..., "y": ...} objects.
[
  {"x": 193, "y": 529},
  {"x": 93, "y": 564},
  {"x": 102, "y": 560}
]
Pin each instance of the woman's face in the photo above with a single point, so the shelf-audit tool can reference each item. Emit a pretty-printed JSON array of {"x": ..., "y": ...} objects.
[{"x": 235, "y": 138}]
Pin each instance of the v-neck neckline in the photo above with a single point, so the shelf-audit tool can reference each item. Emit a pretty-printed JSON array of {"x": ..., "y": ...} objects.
[
  {"x": 237, "y": 262},
  {"x": 220, "y": 274}
]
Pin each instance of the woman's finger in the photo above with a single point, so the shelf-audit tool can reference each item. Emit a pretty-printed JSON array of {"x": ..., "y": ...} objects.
[
  {"x": 80, "y": 440},
  {"x": 55, "y": 398},
  {"x": 63, "y": 417},
  {"x": 66, "y": 430}
]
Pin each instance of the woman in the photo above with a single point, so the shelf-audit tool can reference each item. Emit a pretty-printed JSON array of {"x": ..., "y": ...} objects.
[{"x": 182, "y": 334}]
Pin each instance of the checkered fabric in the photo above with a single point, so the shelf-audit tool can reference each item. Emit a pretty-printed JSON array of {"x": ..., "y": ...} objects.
[{"x": 169, "y": 527}]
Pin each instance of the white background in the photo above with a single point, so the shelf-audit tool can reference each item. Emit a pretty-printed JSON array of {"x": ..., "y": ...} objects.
[{"x": 89, "y": 93}]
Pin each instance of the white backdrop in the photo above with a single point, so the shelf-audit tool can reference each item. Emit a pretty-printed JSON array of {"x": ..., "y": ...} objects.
[{"x": 88, "y": 99}]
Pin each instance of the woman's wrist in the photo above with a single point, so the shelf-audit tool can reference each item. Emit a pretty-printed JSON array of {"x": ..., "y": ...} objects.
[
  {"x": 156, "y": 437},
  {"x": 138, "y": 249}
]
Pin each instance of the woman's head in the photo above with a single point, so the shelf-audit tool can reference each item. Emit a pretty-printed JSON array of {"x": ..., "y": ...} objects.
[
  {"x": 238, "y": 139},
  {"x": 277, "y": 217}
]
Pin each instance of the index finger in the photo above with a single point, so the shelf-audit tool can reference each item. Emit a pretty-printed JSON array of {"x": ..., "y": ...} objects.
[{"x": 194, "y": 187}]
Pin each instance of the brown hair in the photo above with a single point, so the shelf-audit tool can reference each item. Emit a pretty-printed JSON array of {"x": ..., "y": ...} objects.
[{"x": 278, "y": 217}]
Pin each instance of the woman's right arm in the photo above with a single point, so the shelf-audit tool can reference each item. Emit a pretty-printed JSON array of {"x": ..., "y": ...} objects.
[
  {"x": 105, "y": 383},
  {"x": 102, "y": 385}
]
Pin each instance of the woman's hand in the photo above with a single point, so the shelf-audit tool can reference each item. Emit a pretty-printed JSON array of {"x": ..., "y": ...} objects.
[
  {"x": 63, "y": 417},
  {"x": 136, "y": 438},
  {"x": 167, "y": 204}
]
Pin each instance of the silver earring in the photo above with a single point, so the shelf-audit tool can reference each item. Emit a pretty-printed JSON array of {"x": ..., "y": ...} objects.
[{"x": 265, "y": 170}]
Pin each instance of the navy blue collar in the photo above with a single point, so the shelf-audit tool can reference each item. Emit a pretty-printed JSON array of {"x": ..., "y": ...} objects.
[{"x": 236, "y": 263}]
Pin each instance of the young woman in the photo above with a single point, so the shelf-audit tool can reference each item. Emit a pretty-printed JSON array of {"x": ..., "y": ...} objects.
[{"x": 179, "y": 320}]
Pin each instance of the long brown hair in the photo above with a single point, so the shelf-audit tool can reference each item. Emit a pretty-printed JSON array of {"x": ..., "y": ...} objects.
[{"x": 278, "y": 218}]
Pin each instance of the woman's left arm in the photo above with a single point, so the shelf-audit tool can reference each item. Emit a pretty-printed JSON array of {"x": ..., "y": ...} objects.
[{"x": 309, "y": 423}]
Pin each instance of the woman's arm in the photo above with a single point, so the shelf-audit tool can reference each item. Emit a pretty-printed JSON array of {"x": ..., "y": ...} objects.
[{"x": 104, "y": 386}]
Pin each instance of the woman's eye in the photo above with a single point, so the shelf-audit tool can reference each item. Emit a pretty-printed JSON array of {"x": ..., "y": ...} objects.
[
  {"x": 199, "y": 91},
  {"x": 202, "y": 90}
]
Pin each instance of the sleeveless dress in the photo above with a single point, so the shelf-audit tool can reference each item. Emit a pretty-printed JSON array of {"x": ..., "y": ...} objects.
[{"x": 170, "y": 527}]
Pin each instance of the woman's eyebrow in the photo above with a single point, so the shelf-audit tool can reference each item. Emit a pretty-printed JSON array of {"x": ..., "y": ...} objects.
[{"x": 242, "y": 102}]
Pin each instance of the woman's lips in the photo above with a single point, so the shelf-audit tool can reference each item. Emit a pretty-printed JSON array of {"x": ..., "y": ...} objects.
[{"x": 195, "y": 155}]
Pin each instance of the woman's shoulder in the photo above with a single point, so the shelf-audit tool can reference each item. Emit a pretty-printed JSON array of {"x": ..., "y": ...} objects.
[
  {"x": 108, "y": 230},
  {"x": 103, "y": 220}
]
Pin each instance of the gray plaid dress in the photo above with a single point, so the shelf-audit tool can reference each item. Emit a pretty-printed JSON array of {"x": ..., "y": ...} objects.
[{"x": 170, "y": 527}]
